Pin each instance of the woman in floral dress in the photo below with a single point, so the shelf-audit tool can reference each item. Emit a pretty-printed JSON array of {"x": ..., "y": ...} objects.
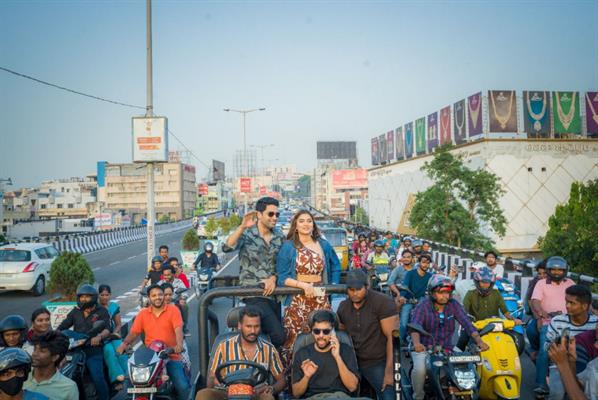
[{"x": 306, "y": 260}]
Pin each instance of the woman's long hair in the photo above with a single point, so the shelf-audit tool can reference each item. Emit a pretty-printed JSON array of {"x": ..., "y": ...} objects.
[{"x": 294, "y": 236}]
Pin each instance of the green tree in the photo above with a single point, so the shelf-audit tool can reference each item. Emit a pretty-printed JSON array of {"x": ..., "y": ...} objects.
[
  {"x": 224, "y": 224},
  {"x": 235, "y": 221},
  {"x": 164, "y": 218},
  {"x": 211, "y": 226},
  {"x": 361, "y": 217},
  {"x": 2, "y": 238},
  {"x": 573, "y": 229},
  {"x": 67, "y": 272},
  {"x": 190, "y": 240},
  {"x": 198, "y": 211},
  {"x": 459, "y": 200}
]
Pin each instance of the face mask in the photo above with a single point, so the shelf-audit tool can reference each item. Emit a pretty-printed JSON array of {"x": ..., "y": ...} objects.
[{"x": 12, "y": 386}]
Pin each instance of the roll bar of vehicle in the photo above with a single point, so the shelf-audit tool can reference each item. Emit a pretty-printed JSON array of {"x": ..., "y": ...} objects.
[{"x": 206, "y": 299}]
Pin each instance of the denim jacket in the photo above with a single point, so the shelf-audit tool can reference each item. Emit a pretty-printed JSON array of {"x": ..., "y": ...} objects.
[{"x": 286, "y": 261}]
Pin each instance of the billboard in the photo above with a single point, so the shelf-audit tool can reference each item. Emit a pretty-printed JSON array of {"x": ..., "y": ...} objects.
[
  {"x": 566, "y": 113},
  {"x": 445, "y": 126},
  {"x": 350, "y": 179},
  {"x": 337, "y": 150},
  {"x": 459, "y": 122},
  {"x": 536, "y": 113},
  {"x": 399, "y": 143},
  {"x": 262, "y": 190},
  {"x": 375, "y": 160},
  {"x": 217, "y": 170},
  {"x": 382, "y": 149},
  {"x": 245, "y": 185},
  {"x": 432, "y": 131},
  {"x": 592, "y": 113},
  {"x": 474, "y": 115},
  {"x": 202, "y": 189},
  {"x": 150, "y": 139},
  {"x": 420, "y": 136},
  {"x": 503, "y": 111},
  {"x": 409, "y": 140},
  {"x": 390, "y": 146}
]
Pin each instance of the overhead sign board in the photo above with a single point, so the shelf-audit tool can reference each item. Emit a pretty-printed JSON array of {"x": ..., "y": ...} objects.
[
  {"x": 245, "y": 184},
  {"x": 150, "y": 139}
]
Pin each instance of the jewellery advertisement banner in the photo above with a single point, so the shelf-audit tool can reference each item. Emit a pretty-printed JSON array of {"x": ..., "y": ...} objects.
[
  {"x": 390, "y": 145},
  {"x": 409, "y": 140},
  {"x": 382, "y": 148},
  {"x": 459, "y": 119},
  {"x": 375, "y": 160},
  {"x": 474, "y": 115},
  {"x": 536, "y": 114},
  {"x": 566, "y": 113},
  {"x": 420, "y": 136},
  {"x": 400, "y": 143},
  {"x": 503, "y": 111},
  {"x": 592, "y": 113},
  {"x": 432, "y": 131},
  {"x": 445, "y": 126}
]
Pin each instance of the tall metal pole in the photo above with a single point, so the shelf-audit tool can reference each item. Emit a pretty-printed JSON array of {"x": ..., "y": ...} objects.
[
  {"x": 245, "y": 144},
  {"x": 149, "y": 113}
]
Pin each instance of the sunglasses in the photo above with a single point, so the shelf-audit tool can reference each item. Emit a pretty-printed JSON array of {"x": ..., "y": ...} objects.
[
  {"x": 272, "y": 213},
  {"x": 317, "y": 331}
]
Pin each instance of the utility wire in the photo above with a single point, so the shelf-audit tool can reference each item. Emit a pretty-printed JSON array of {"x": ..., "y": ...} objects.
[
  {"x": 186, "y": 148},
  {"x": 69, "y": 90}
]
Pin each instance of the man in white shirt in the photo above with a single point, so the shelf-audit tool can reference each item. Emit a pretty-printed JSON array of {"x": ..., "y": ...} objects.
[{"x": 491, "y": 261}]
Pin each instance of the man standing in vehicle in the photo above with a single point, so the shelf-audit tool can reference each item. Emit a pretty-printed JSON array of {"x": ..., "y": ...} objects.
[
  {"x": 82, "y": 319},
  {"x": 370, "y": 317},
  {"x": 247, "y": 346},
  {"x": 437, "y": 315},
  {"x": 163, "y": 322},
  {"x": 258, "y": 243},
  {"x": 327, "y": 369}
]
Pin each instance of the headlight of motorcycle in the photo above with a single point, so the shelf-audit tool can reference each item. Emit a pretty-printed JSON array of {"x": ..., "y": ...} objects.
[
  {"x": 140, "y": 374},
  {"x": 465, "y": 379},
  {"x": 384, "y": 277},
  {"x": 203, "y": 277}
]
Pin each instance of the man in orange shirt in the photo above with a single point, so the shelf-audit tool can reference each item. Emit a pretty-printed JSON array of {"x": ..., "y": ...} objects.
[{"x": 162, "y": 322}]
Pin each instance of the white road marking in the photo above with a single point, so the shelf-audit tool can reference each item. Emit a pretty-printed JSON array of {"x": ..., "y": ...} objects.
[
  {"x": 114, "y": 263},
  {"x": 95, "y": 269},
  {"x": 132, "y": 257}
]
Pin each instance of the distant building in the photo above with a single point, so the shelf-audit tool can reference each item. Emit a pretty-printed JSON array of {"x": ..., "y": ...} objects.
[
  {"x": 339, "y": 191},
  {"x": 122, "y": 188},
  {"x": 66, "y": 198}
]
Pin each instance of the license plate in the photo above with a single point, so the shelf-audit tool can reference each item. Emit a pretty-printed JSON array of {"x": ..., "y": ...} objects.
[
  {"x": 142, "y": 390},
  {"x": 464, "y": 359}
]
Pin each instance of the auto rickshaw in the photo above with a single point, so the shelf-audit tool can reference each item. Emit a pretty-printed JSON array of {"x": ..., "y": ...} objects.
[{"x": 337, "y": 237}]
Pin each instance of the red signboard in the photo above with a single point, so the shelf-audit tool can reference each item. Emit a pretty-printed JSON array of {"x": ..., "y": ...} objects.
[
  {"x": 262, "y": 190},
  {"x": 350, "y": 178},
  {"x": 245, "y": 184},
  {"x": 202, "y": 189}
]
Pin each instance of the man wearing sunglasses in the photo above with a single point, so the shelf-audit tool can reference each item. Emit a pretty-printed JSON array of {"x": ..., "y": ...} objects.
[
  {"x": 326, "y": 369},
  {"x": 258, "y": 243}
]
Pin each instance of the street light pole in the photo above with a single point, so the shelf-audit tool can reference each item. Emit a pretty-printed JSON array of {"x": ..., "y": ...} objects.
[
  {"x": 245, "y": 112},
  {"x": 149, "y": 112}
]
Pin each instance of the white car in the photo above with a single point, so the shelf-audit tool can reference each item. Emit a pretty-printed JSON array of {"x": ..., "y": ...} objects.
[{"x": 26, "y": 266}]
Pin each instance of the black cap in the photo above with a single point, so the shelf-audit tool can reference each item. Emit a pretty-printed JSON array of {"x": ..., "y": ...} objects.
[{"x": 356, "y": 279}]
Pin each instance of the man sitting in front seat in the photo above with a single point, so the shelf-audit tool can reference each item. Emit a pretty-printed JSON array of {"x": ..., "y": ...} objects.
[
  {"x": 327, "y": 369},
  {"x": 249, "y": 346}
]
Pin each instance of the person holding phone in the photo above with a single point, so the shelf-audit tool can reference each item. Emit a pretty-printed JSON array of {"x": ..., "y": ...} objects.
[
  {"x": 258, "y": 243},
  {"x": 305, "y": 261},
  {"x": 326, "y": 369}
]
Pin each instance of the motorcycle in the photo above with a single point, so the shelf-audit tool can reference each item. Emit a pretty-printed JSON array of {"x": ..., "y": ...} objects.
[
  {"x": 204, "y": 275},
  {"x": 500, "y": 369},
  {"x": 147, "y": 372},
  {"x": 380, "y": 278},
  {"x": 515, "y": 306},
  {"x": 241, "y": 383},
  {"x": 73, "y": 366},
  {"x": 449, "y": 375}
]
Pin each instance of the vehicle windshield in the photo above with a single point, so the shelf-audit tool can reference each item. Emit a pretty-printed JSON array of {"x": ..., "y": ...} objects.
[
  {"x": 335, "y": 238},
  {"x": 15, "y": 255}
]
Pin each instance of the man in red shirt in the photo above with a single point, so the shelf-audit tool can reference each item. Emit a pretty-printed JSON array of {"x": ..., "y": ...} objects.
[{"x": 161, "y": 321}]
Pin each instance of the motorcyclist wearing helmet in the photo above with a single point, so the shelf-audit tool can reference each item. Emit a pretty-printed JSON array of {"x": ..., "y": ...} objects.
[
  {"x": 15, "y": 365},
  {"x": 484, "y": 301},
  {"x": 13, "y": 331},
  {"x": 437, "y": 315},
  {"x": 207, "y": 259},
  {"x": 82, "y": 318},
  {"x": 491, "y": 261},
  {"x": 416, "y": 280},
  {"x": 378, "y": 257},
  {"x": 154, "y": 274},
  {"x": 417, "y": 247},
  {"x": 406, "y": 244},
  {"x": 548, "y": 300}
]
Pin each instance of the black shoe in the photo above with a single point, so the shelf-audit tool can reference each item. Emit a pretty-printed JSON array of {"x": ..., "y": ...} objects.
[{"x": 541, "y": 392}]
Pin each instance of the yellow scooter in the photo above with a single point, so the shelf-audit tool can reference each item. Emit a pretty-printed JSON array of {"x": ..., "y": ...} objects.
[{"x": 500, "y": 369}]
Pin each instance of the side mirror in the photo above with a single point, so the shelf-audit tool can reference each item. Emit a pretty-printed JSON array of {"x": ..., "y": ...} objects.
[{"x": 418, "y": 328}]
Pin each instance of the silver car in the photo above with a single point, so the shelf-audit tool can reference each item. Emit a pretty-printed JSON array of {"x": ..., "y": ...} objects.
[{"x": 26, "y": 266}]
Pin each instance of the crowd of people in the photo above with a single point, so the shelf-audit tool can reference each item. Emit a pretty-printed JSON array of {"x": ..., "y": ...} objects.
[{"x": 310, "y": 350}]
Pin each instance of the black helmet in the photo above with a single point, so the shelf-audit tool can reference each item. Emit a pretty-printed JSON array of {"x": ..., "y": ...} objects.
[
  {"x": 208, "y": 246},
  {"x": 13, "y": 323},
  {"x": 556, "y": 263},
  {"x": 15, "y": 358},
  {"x": 484, "y": 274},
  {"x": 90, "y": 290}
]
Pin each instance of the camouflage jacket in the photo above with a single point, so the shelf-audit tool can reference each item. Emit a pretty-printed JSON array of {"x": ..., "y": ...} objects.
[{"x": 256, "y": 258}]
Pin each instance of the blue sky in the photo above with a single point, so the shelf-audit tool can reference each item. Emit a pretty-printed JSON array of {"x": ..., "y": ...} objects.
[{"x": 324, "y": 71}]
